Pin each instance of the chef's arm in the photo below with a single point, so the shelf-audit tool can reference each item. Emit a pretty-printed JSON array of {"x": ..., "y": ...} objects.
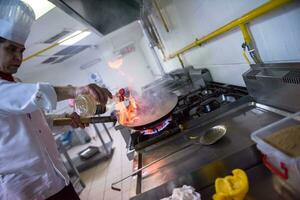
[
  {"x": 56, "y": 129},
  {"x": 21, "y": 98},
  {"x": 64, "y": 93},
  {"x": 18, "y": 98},
  {"x": 75, "y": 121},
  {"x": 100, "y": 94}
]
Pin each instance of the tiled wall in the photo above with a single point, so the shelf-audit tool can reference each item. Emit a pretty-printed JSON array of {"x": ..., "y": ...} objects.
[{"x": 276, "y": 35}]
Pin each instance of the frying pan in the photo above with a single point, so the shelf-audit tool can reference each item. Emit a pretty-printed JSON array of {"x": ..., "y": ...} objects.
[{"x": 161, "y": 110}]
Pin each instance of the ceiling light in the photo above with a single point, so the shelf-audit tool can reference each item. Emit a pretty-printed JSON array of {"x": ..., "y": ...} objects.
[
  {"x": 74, "y": 38},
  {"x": 115, "y": 63},
  {"x": 40, "y": 7}
]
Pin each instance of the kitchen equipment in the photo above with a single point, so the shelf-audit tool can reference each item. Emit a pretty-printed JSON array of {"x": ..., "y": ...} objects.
[
  {"x": 191, "y": 106},
  {"x": 275, "y": 84},
  {"x": 281, "y": 164},
  {"x": 181, "y": 81},
  {"x": 198, "y": 110},
  {"x": 160, "y": 110},
  {"x": 86, "y": 120},
  {"x": 236, "y": 150},
  {"x": 103, "y": 16},
  {"x": 210, "y": 136},
  {"x": 88, "y": 152}
]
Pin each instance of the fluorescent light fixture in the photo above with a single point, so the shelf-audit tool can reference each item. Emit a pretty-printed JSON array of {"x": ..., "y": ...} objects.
[
  {"x": 74, "y": 37},
  {"x": 40, "y": 7}
]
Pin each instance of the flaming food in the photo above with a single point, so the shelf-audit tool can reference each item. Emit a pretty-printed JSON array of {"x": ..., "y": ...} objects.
[
  {"x": 136, "y": 111},
  {"x": 127, "y": 111}
]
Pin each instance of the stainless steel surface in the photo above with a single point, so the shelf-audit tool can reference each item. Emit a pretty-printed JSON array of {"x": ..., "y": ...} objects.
[
  {"x": 76, "y": 179},
  {"x": 275, "y": 85},
  {"x": 181, "y": 81},
  {"x": 213, "y": 135},
  {"x": 262, "y": 184},
  {"x": 203, "y": 178},
  {"x": 107, "y": 132},
  {"x": 101, "y": 139},
  {"x": 210, "y": 137},
  {"x": 148, "y": 165},
  {"x": 240, "y": 121},
  {"x": 102, "y": 16},
  {"x": 199, "y": 77}
]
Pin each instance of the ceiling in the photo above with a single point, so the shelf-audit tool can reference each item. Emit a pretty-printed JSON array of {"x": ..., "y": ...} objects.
[{"x": 94, "y": 46}]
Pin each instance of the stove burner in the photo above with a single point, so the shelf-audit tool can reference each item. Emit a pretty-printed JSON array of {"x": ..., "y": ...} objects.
[
  {"x": 206, "y": 92},
  {"x": 191, "y": 106},
  {"x": 228, "y": 98},
  {"x": 140, "y": 140},
  {"x": 161, "y": 126}
]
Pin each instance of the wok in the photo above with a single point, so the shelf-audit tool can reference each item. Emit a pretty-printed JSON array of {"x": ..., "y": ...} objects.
[{"x": 160, "y": 110}]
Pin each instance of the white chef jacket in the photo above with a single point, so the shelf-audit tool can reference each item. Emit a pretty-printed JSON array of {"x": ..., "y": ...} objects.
[{"x": 30, "y": 164}]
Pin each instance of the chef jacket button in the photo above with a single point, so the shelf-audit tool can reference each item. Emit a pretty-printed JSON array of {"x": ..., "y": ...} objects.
[{"x": 40, "y": 131}]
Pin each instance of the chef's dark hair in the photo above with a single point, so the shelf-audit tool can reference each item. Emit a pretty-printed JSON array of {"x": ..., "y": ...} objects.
[{"x": 2, "y": 39}]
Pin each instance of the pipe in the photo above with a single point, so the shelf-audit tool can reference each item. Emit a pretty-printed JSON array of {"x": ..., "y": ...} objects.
[
  {"x": 246, "y": 34},
  {"x": 51, "y": 46},
  {"x": 265, "y": 8},
  {"x": 246, "y": 58},
  {"x": 249, "y": 44},
  {"x": 181, "y": 61},
  {"x": 161, "y": 15}
]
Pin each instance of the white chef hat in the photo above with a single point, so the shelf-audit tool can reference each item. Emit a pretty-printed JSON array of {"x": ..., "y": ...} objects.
[{"x": 16, "y": 18}]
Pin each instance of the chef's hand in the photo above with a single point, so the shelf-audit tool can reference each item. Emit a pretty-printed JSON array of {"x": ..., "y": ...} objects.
[
  {"x": 76, "y": 121},
  {"x": 100, "y": 94}
]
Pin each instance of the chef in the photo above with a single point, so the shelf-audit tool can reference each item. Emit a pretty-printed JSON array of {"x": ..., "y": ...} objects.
[{"x": 30, "y": 165}]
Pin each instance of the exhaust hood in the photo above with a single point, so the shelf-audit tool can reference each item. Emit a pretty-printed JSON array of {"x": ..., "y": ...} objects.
[{"x": 102, "y": 16}]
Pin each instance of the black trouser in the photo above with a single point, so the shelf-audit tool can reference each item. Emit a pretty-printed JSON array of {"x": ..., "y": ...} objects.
[{"x": 68, "y": 193}]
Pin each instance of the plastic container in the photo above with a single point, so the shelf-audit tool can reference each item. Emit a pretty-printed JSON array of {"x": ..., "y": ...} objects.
[{"x": 279, "y": 163}]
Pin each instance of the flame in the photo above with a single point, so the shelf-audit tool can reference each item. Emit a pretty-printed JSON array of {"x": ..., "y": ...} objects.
[
  {"x": 158, "y": 128},
  {"x": 127, "y": 111}
]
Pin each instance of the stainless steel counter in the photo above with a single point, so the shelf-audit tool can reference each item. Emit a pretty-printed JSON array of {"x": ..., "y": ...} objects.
[
  {"x": 200, "y": 165},
  {"x": 262, "y": 183}
]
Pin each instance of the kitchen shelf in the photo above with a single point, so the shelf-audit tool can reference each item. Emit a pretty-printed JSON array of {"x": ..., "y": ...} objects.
[{"x": 83, "y": 164}]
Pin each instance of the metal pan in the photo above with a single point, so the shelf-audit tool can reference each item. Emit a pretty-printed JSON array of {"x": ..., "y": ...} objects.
[{"x": 160, "y": 111}]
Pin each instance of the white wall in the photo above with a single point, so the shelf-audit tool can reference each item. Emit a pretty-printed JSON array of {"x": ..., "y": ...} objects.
[{"x": 276, "y": 35}]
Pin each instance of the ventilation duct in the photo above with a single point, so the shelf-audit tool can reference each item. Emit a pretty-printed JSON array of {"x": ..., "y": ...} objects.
[{"x": 103, "y": 16}]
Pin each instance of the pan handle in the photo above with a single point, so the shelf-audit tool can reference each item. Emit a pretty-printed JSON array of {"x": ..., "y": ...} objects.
[{"x": 85, "y": 120}]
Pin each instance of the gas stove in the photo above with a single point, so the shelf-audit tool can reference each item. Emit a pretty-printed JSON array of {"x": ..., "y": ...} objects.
[{"x": 192, "y": 105}]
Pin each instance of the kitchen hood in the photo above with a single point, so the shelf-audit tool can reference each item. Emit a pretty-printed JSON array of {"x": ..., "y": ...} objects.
[{"x": 102, "y": 16}]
